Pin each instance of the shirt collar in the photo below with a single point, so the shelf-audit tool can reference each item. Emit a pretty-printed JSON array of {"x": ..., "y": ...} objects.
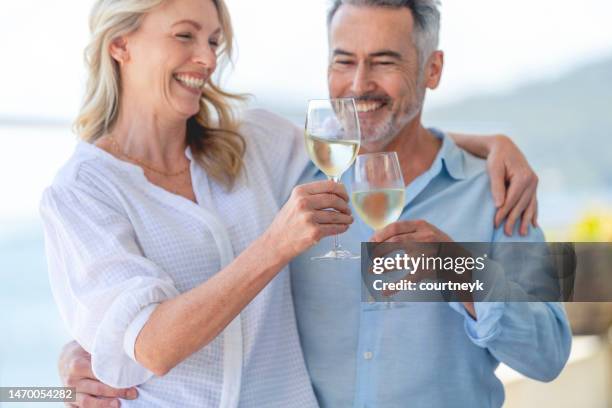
[{"x": 450, "y": 156}]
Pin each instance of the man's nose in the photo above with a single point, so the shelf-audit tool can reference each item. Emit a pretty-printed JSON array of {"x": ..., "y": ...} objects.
[{"x": 362, "y": 81}]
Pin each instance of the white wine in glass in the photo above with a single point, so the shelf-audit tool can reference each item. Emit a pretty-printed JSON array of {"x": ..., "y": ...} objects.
[
  {"x": 330, "y": 156},
  {"x": 378, "y": 189},
  {"x": 333, "y": 138}
]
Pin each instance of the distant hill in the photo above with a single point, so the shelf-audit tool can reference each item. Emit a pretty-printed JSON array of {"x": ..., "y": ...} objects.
[{"x": 565, "y": 124}]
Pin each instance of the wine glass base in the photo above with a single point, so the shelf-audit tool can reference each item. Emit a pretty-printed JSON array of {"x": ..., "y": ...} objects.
[{"x": 336, "y": 254}]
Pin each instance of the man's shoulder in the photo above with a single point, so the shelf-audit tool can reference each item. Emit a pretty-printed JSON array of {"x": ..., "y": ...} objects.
[
  {"x": 459, "y": 161},
  {"x": 474, "y": 167}
]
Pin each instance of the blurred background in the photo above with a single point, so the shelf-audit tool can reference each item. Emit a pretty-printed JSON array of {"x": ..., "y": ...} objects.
[{"x": 540, "y": 72}]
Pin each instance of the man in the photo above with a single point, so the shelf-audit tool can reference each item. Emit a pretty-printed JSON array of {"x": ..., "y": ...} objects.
[
  {"x": 381, "y": 66},
  {"x": 384, "y": 54}
]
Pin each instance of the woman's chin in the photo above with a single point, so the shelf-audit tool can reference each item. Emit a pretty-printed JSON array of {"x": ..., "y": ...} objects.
[{"x": 186, "y": 110}]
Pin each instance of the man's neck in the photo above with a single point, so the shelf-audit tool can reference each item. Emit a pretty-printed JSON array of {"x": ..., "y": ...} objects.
[{"x": 416, "y": 148}]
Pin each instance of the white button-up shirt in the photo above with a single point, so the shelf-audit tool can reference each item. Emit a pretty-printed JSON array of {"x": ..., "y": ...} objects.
[{"x": 117, "y": 246}]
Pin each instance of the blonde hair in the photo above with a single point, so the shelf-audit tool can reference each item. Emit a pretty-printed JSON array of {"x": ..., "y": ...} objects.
[{"x": 212, "y": 134}]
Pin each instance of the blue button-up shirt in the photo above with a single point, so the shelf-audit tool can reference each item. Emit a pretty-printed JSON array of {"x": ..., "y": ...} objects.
[{"x": 362, "y": 354}]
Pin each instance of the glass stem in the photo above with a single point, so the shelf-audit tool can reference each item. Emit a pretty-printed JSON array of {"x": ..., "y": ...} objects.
[{"x": 335, "y": 179}]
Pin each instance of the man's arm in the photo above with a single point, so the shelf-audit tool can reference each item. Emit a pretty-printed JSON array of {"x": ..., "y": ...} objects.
[
  {"x": 75, "y": 371},
  {"x": 513, "y": 182},
  {"x": 534, "y": 337}
]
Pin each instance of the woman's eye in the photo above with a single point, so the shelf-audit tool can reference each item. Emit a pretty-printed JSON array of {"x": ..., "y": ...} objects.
[
  {"x": 344, "y": 62},
  {"x": 214, "y": 43},
  {"x": 186, "y": 36}
]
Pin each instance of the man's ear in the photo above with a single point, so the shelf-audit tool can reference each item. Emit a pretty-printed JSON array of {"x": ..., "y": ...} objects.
[
  {"x": 433, "y": 69},
  {"x": 119, "y": 51}
]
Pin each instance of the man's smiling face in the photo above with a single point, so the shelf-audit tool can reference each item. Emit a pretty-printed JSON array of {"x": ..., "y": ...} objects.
[{"x": 373, "y": 59}]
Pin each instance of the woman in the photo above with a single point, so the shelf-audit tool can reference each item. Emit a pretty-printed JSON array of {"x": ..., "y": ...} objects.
[
  {"x": 145, "y": 222},
  {"x": 166, "y": 240}
]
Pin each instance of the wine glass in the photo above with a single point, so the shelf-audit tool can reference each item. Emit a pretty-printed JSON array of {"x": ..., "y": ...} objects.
[
  {"x": 333, "y": 138},
  {"x": 378, "y": 189}
]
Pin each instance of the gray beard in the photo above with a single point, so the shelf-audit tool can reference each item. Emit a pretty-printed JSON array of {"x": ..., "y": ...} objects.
[{"x": 383, "y": 134}]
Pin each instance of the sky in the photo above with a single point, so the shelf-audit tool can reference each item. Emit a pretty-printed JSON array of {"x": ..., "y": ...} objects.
[{"x": 490, "y": 46}]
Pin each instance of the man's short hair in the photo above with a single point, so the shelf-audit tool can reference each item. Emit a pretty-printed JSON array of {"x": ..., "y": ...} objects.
[{"x": 426, "y": 15}]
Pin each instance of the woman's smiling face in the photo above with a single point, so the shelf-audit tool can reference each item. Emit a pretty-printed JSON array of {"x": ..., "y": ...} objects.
[{"x": 166, "y": 63}]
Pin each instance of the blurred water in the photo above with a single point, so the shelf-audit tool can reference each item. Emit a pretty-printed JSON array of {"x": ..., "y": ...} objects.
[{"x": 32, "y": 331}]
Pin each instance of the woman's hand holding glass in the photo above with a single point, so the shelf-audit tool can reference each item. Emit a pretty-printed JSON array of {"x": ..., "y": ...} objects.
[{"x": 305, "y": 219}]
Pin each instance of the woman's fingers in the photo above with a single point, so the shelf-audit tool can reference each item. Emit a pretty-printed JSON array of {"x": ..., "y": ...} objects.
[
  {"x": 332, "y": 217},
  {"x": 323, "y": 201},
  {"x": 518, "y": 196},
  {"x": 323, "y": 187},
  {"x": 529, "y": 216},
  {"x": 327, "y": 230},
  {"x": 516, "y": 212}
]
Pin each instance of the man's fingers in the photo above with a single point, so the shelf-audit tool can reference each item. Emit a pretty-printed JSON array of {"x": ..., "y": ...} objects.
[
  {"x": 99, "y": 389},
  {"x": 397, "y": 228},
  {"x": 380, "y": 251},
  {"x": 516, "y": 212},
  {"x": 497, "y": 173},
  {"x": 529, "y": 216},
  {"x": 88, "y": 401}
]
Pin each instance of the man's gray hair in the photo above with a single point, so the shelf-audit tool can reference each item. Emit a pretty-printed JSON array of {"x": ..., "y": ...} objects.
[{"x": 426, "y": 15}]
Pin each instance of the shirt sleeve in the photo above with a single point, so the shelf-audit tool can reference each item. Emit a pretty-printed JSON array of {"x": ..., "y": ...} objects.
[
  {"x": 101, "y": 281},
  {"x": 534, "y": 338}
]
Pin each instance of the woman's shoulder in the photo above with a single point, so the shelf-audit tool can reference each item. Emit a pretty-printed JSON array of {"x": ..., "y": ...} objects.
[{"x": 86, "y": 174}]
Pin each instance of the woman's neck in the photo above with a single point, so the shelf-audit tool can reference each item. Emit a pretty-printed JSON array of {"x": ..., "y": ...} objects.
[{"x": 149, "y": 137}]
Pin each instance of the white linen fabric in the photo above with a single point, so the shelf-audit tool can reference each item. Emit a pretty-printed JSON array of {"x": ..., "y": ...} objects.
[{"x": 117, "y": 246}]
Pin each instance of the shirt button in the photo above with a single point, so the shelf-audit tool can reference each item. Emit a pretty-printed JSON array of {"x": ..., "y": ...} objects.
[{"x": 368, "y": 355}]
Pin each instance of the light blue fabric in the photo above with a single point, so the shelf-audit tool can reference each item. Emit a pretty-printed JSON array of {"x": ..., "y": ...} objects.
[{"x": 422, "y": 354}]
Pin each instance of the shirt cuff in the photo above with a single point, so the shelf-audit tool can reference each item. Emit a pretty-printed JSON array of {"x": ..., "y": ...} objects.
[
  {"x": 487, "y": 326},
  {"x": 129, "y": 340}
]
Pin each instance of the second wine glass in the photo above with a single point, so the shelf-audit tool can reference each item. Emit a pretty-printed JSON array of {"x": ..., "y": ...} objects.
[{"x": 378, "y": 189}]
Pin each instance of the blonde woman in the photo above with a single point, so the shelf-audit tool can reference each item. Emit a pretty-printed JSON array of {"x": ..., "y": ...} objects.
[
  {"x": 163, "y": 226},
  {"x": 167, "y": 237}
]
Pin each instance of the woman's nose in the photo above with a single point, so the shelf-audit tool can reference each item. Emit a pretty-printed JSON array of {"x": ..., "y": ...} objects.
[{"x": 206, "y": 56}]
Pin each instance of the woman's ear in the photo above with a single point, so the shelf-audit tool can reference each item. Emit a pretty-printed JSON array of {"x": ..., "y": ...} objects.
[{"x": 118, "y": 50}]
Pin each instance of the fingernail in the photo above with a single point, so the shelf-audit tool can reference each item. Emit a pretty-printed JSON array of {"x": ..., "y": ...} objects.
[{"x": 132, "y": 393}]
